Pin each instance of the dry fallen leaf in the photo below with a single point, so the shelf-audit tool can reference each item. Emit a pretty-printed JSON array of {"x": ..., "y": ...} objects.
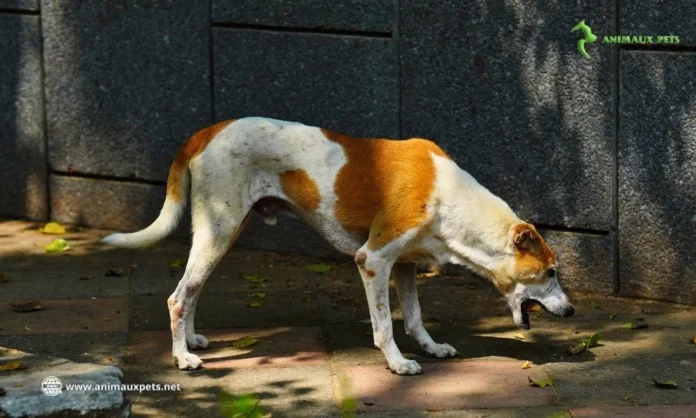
[
  {"x": 87, "y": 278},
  {"x": 13, "y": 365},
  {"x": 244, "y": 342},
  {"x": 255, "y": 303},
  {"x": 3, "y": 277},
  {"x": 114, "y": 273},
  {"x": 526, "y": 365},
  {"x": 57, "y": 246},
  {"x": 611, "y": 316},
  {"x": 519, "y": 336},
  {"x": 28, "y": 329},
  {"x": 30, "y": 306},
  {"x": 540, "y": 383},
  {"x": 693, "y": 339},
  {"x": 53, "y": 228},
  {"x": 430, "y": 274}
]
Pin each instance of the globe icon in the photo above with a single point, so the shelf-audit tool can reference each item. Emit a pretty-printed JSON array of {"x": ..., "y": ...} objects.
[{"x": 51, "y": 386}]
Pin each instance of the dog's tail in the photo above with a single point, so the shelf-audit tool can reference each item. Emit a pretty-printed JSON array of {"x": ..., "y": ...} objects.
[
  {"x": 169, "y": 217},
  {"x": 177, "y": 194}
]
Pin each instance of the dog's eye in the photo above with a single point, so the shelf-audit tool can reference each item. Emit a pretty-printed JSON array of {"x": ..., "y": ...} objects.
[{"x": 551, "y": 273}]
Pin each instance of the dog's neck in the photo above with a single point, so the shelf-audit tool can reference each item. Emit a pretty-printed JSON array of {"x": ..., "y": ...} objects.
[{"x": 474, "y": 223}]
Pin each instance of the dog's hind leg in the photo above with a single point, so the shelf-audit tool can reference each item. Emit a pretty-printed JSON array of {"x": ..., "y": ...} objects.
[
  {"x": 404, "y": 276},
  {"x": 215, "y": 227}
]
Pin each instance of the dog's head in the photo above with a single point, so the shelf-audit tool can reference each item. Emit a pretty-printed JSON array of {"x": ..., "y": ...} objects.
[{"x": 529, "y": 276}]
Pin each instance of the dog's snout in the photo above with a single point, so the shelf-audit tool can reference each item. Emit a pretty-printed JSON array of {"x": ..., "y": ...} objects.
[{"x": 568, "y": 312}]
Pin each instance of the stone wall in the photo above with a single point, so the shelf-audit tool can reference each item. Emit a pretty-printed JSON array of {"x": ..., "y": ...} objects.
[{"x": 95, "y": 98}]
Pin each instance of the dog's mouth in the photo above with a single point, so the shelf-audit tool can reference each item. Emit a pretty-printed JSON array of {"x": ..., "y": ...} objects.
[{"x": 528, "y": 305}]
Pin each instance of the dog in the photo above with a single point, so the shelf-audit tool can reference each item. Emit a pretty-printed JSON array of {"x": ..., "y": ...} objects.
[{"x": 387, "y": 203}]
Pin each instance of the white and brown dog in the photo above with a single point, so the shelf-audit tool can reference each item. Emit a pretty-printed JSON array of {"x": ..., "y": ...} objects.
[{"x": 387, "y": 203}]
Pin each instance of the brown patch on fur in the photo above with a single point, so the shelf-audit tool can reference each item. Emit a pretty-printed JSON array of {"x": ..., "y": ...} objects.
[
  {"x": 370, "y": 273},
  {"x": 301, "y": 189},
  {"x": 360, "y": 259},
  {"x": 384, "y": 188},
  {"x": 533, "y": 256},
  {"x": 175, "y": 314},
  {"x": 194, "y": 146}
]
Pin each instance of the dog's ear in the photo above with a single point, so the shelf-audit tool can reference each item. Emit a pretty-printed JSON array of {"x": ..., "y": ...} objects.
[{"x": 523, "y": 236}]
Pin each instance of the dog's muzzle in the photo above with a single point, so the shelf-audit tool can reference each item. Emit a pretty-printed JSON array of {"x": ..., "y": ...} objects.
[{"x": 550, "y": 297}]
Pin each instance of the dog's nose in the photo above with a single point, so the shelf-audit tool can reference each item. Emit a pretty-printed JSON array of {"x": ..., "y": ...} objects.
[{"x": 568, "y": 312}]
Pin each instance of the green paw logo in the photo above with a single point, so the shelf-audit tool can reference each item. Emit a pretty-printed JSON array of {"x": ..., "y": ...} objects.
[{"x": 589, "y": 37}]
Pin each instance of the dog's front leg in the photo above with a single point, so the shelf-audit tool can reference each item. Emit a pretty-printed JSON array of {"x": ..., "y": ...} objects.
[
  {"x": 405, "y": 281},
  {"x": 374, "y": 271}
]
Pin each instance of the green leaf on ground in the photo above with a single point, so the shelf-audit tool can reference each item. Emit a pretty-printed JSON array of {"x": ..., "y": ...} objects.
[
  {"x": 540, "y": 383},
  {"x": 176, "y": 264},
  {"x": 242, "y": 406},
  {"x": 349, "y": 404},
  {"x": 57, "y": 246},
  {"x": 637, "y": 324},
  {"x": 594, "y": 304},
  {"x": 585, "y": 344},
  {"x": 53, "y": 228},
  {"x": 30, "y": 306},
  {"x": 255, "y": 303},
  {"x": 611, "y": 316},
  {"x": 627, "y": 398},
  {"x": 668, "y": 384},
  {"x": 319, "y": 268},
  {"x": 259, "y": 295},
  {"x": 253, "y": 279},
  {"x": 244, "y": 342}
]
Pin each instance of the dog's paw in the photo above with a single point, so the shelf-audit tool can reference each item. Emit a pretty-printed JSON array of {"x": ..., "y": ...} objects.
[
  {"x": 196, "y": 342},
  {"x": 406, "y": 367},
  {"x": 441, "y": 350},
  {"x": 188, "y": 361}
]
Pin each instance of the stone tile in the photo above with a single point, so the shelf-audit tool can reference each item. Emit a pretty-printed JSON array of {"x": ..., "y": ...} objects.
[
  {"x": 23, "y": 154},
  {"x": 67, "y": 316},
  {"x": 585, "y": 261},
  {"x": 657, "y": 176},
  {"x": 284, "y": 392},
  {"x": 154, "y": 273},
  {"x": 299, "y": 77},
  {"x": 108, "y": 348},
  {"x": 654, "y": 17},
  {"x": 78, "y": 273},
  {"x": 504, "y": 90},
  {"x": 276, "y": 347},
  {"x": 643, "y": 411},
  {"x": 105, "y": 203},
  {"x": 126, "y": 84},
  {"x": 532, "y": 412},
  {"x": 454, "y": 385},
  {"x": 609, "y": 380},
  {"x": 227, "y": 310},
  {"x": 357, "y": 15},
  {"x": 20, "y": 4}
]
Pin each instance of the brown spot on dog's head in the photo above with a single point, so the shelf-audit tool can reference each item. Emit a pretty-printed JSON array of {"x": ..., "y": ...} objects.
[
  {"x": 301, "y": 189},
  {"x": 533, "y": 257}
]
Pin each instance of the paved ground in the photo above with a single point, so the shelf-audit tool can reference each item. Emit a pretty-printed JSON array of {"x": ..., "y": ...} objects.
[{"x": 314, "y": 355}]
